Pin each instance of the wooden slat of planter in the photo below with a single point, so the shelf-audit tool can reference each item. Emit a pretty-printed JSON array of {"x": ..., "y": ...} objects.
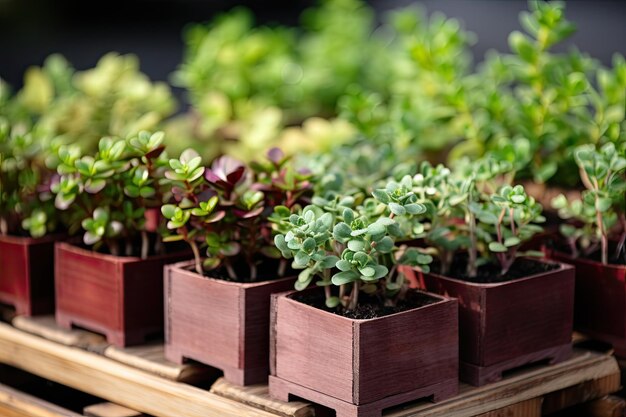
[
  {"x": 114, "y": 381},
  {"x": 110, "y": 410},
  {"x": 14, "y": 403},
  {"x": 258, "y": 396},
  {"x": 519, "y": 394}
]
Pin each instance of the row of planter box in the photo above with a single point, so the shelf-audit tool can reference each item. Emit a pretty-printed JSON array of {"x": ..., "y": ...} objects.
[{"x": 354, "y": 366}]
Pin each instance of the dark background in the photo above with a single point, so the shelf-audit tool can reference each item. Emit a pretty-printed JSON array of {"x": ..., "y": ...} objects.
[{"x": 84, "y": 30}]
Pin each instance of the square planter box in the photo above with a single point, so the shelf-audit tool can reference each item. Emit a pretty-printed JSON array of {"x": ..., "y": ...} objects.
[
  {"x": 219, "y": 323},
  {"x": 600, "y": 304},
  {"x": 509, "y": 324},
  {"x": 118, "y": 296},
  {"x": 27, "y": 274},
  {"x": 360, "y": 367}
]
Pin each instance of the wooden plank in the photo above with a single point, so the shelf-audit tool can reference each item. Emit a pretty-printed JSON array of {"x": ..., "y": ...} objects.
[
  {"x": 151, "y": 358},
  {"x": 114, "y": 381},
  {"x": 148, "y": 358},
  {"x": 528, "y": 408},
  {"x": 110, "y": 410},
  {"x": 14, "y": 403},
  {"x": 258, "y": 396},
  {"x": 609, "y": 406},
  {"x": 581, "y": 393},
  {"x": 46, "y": 327}
]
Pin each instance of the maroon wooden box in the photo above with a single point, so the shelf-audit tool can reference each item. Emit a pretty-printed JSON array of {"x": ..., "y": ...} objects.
[
  {"x": 27, "y": 274},
  {"x": 219, "y": 323},
  {"x": 510, "y": 324},
  {"x": 600, "y": 303},
  {"x": 360, "y": 367},
  {"x": 120, "y": 297}
]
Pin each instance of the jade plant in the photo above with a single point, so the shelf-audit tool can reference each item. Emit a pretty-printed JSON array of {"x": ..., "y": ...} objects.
[
  {"x": 352, "y": 246},
  {"x": 26, "y": 174},
  {"x": 225, "y": 209},
  {"x": 107, "y": 195},
  {"x": 600, "y": 211}
]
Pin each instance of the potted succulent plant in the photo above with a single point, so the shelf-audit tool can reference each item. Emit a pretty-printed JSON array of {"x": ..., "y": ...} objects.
[
  {"x": 514, "y": 309},
  {"x": 28, "y": 220},
  {"x": 362, "y": 340},
  {"x": 593, "y": 241},
  {"x": 218, "y": 305},
  {"x": 112, "y": 281}
]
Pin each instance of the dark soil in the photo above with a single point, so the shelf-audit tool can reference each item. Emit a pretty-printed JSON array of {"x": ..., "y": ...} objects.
[
  {"x": 490, "y": 273},
  {"x": 370, "y": 307},
  {"x": 267, "y": 270}
]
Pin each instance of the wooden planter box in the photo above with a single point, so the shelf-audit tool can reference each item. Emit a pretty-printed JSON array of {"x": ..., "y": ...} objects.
[
  {"x": 600, "y": 306},
  {"x": 27, "y": 274},
  {"x": 509, "y": 324},
  {"x": 219, "y": 323},
  {"x": 360, "y": 367},
  {"x": 118, "y": 296}
]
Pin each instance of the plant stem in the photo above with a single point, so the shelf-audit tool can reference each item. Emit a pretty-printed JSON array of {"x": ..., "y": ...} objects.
[
  {"x": 622, "y": 239},
  {"x": 128, "y": 247},
  {"x": 4, "y": 226},
  {"x": 196, "y": 256},
  {"x": 253, "y": 271},
  {"x": 113, "y": 247},
  {"x": 282, "y": 266},
  {"x": 229, "y": 269},
  {"x": 472, "y": 270},
  {"x": 354, "y": 296},
  {"x": 145, "y": 244}
]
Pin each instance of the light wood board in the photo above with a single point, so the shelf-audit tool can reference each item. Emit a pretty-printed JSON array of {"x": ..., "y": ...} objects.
[
  {"x": 114, "y": 381},
  {"x": 14, "y": 403}
]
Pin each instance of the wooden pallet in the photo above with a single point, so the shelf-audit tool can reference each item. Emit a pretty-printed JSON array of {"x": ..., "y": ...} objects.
[
  {"x": 130, "y": 379},
  {"x": 530, "y": 392}
]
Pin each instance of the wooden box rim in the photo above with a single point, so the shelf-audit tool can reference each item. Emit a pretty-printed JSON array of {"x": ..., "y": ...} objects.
[
  {"x": 183, "y": 267},
  {"x": 562, "y": 267},
  {"x": 586, "y": 261},
  {"x": 287, "y": 296},
  {"x": 73, "y": 248}
]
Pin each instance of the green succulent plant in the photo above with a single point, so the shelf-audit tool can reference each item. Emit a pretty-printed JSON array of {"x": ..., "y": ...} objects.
[
  {"x": 107, "y": 195},
  {"x": 601, "y": 207},
  {"x": 352, "y": 246},
  {"x": 225, "y": 209}
]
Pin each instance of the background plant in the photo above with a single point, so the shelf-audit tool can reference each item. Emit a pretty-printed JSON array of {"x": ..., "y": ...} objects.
[{"x": 26, "y": 174}]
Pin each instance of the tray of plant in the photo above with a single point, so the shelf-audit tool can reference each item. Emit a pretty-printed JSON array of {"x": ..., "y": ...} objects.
[
  {"x": 217, "y": 305},
  {"x": 361, "y": 341},
  {"x": 29, "y": 222},
  {"x": 592, "y": 239},
  {"x": 515, "y": 309},
  {"x": 111, "y": 281}
]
